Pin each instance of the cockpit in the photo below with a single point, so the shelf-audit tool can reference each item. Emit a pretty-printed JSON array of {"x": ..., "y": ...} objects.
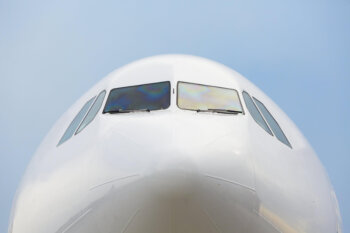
[{"x": 189, "y": 97}]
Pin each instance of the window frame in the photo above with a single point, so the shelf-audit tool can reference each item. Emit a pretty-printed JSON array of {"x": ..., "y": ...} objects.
[
  {"x": 200, "y": 84},
  {"x": 170, "y": 92}
]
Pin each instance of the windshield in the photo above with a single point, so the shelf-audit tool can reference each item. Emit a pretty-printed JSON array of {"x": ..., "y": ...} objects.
[
  {"x": 207, "y": 98},
  {"x": 147, "y": 97}
]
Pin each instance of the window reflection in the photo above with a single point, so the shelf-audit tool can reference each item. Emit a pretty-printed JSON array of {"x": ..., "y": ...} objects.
[
  {"x": 202, "y": 97},
  {"x": 154, "y": 96}
]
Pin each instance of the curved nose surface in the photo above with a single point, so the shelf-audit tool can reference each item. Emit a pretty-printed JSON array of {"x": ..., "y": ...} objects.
[
  {"x": 205, "y": 144},
  {"x": 190, "y": 177},
  {"x": 172, "y": 200},
  {"x": 151, "y": 174}
]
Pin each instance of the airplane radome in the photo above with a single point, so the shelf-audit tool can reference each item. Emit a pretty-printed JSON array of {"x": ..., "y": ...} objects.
[{"x": 175, "y": 144}]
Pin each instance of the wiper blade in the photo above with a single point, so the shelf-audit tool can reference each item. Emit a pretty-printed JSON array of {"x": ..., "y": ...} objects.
[
  {"x": 218, "y": 110},
  {"x": 203, "y": 110},
  {"x": 226, "y": 111},
  {"x": 128, "y": 110}
]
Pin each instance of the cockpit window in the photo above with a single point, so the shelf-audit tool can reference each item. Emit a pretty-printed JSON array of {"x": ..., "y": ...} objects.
[
  {"x": 147, "y": 97},
  {"x": 92, "y": 112},
  {"x": 76, "y": 121},
  {"x": 273, "y": 123},
  {"x": 197, "y": 97},
  {"x": 255, "y": 112}
]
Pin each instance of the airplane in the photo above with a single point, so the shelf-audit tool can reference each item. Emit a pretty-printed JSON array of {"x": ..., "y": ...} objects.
[{"x": 175, "y": 144}]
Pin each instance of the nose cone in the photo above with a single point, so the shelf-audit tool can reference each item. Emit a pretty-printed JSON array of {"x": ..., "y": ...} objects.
[
  {"x": 175, "y": 150},
  {"x": 174, "y": 179},
  {"x": 148, "y": 174},
  {"x": 185, "y": 177},
  {"x": 175, "y": 197}
]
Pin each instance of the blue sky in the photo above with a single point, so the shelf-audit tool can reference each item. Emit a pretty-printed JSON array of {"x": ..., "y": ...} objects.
[{"x": 51, "y": 52}]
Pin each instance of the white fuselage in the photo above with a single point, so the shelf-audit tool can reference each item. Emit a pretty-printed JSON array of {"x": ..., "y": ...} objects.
[{"x": 172, "y": 170}]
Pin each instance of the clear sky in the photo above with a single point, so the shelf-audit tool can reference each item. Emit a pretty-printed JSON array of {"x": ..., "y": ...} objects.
[{"x": 297, "y": 52}]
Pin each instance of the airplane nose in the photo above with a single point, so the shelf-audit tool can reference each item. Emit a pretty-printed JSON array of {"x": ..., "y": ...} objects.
[
  {"x": 173, "y": 154},
  {"x": 176, "y": 195},
  {"x": 175, "y": 177},
  {"x": 184, "y": 179}
]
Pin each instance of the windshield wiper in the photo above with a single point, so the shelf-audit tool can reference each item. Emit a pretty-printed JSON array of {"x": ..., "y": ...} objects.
[
  {"x": 203, "y": 110},
  {"x": 219, "y": 110},
  {"x": 227, "y": 111},
  {"x": 128, "y": 110}
]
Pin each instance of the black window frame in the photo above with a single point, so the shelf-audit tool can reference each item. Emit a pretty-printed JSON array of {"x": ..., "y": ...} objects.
[{"x": 104, "y": 112}]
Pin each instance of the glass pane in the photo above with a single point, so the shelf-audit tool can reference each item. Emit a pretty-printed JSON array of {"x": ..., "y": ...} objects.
[
  {"x": 154, "y": 96},
  {"x": 255, "y": 112},
  {"x": 272, "y": 122},
  {"x": 201, "y": 97},
  {"x": 76, "y": 121},
  {"x": 93, "y": 111}
]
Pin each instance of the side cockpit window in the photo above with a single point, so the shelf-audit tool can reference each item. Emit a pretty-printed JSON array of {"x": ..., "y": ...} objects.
[
  {"x": 84, "y": 117},
  {"x": 254, "y": 112},
  {"x": 76, "y": 121},
  {"x": 273, "y": 123},
  {"x": 264, "y": 118},
  {"x": 92, "y": 112}
]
